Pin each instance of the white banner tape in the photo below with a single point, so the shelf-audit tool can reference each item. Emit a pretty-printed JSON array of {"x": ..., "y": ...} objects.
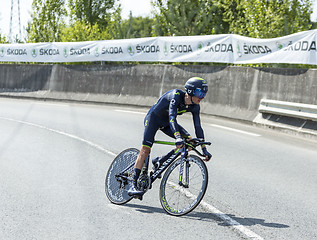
[{"x": 299, "y": 48}]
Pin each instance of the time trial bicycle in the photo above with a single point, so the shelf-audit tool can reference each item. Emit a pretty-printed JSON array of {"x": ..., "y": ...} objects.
[{"x": 183, "y": 185}]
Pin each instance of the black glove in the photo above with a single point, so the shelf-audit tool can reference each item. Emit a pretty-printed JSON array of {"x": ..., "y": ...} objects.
[{"x": 207, "y": 154}]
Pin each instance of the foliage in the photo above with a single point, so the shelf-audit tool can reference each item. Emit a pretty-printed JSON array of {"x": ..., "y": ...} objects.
[
  {"x": 91, "y": 12},
  {"x": 187, "y": 17},
  {"x": 252, "y": 18},
  {"x": 3, "y": 39},
  {"x": 101, "y": 19},
  {"x": 266, "y": 19},
  {"x": 114, "y": 28},
  {"x": 48, "y": 20},
  {"x": 297, "y": 16},
  {"x": 80, "y": 31},
  {"x": 137, "y": 27}
]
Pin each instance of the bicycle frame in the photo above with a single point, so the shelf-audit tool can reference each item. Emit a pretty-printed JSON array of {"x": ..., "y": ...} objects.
[
  {"x": 177, "y": 171},
  {"x": 165, "y": 165},
  {"x": 154, "y": 175},
  {"x": 161, "y": 169},
  {"x": 184, "y": 153}
]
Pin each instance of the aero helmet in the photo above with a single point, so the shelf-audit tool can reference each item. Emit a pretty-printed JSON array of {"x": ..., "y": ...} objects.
[{"x": 196, "y": 87}]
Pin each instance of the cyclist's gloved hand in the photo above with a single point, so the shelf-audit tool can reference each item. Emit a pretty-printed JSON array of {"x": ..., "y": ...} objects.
[
  {"x": 207, "y": 154},
  {"x": 179, "y": 142}
]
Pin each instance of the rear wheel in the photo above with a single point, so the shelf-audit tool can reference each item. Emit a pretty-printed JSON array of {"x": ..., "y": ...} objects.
[
  {"x": 116, "y": 182},
  {"x": 181, "y": 198}
]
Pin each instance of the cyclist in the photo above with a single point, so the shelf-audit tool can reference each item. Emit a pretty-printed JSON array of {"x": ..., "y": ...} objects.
[{"x": 162, "y": 115}]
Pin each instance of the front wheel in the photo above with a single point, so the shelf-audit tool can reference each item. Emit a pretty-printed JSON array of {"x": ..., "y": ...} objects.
[
  {"x": 120, "y": 170},
  {"x": 180, "y": 195}
]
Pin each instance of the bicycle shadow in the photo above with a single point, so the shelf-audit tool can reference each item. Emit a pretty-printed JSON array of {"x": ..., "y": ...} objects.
[
  {"x": 144, "y": 208},
  {"x": 207, "y": 216},
  {"x": 244, "y": 221}
]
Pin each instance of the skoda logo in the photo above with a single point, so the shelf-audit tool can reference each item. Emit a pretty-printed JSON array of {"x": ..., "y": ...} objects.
[
  {"x": 65, "y": 52},
  {"x": 279, "y": 45},
  {"x": 34, "y": 52},
  {"x": 97, "y": 52},
  {"x": 239, "y": 50},
  {"x": 200, "y": 48},
  {"x": 2, "y": 52},
  {"x": 165, "y": 49},
  {"x": 130, "y": 50}
]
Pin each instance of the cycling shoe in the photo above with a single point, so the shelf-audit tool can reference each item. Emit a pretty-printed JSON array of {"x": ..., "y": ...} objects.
[{"x": 134, "y": 191}]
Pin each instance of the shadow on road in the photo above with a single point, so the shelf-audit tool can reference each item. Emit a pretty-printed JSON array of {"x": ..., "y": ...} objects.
[
  {"x": 205, "y": 216},
  {"x": 237, "y": 220},
  {"x": 145, "y": 209}
]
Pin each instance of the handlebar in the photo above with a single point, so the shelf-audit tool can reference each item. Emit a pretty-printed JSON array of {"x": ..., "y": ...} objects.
[
  {"x": 195, "y": 142},
  {"x": 192, "y": 143}
]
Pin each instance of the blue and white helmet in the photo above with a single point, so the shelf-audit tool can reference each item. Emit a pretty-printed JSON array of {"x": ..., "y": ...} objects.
[{"x": 196, "y": 87}]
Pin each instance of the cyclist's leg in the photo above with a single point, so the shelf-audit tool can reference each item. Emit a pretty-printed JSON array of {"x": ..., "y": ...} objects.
[
  {"x": 150, "y": 129},
  {"x": 151, "y": 126},
  {"x": 144, "y": 153},
  {"x": 168, "y": 131}
]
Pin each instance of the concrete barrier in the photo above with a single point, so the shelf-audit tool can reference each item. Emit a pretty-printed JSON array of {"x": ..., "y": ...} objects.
[
  {"x": 24, "y": 78},
  {"x": 234, "y": 92}
]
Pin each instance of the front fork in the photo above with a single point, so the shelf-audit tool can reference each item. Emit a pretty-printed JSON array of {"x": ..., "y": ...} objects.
[{"x": 184, "y": 156}]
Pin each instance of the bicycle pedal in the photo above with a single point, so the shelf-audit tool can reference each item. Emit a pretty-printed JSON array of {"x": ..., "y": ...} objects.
[{"x": 139, "y": 197}]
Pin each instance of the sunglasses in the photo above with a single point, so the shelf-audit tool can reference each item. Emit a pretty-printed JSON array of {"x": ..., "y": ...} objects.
[{"x": 199, "y": 93}]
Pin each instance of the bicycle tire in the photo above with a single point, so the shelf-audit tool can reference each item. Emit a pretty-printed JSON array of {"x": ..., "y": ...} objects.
[
  {"x": 177, "y": 200},
  {"x": 115, "y": 192}
]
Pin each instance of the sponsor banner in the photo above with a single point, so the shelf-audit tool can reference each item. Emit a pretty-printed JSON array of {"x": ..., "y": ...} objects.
[{"x": 297, "y": 48}]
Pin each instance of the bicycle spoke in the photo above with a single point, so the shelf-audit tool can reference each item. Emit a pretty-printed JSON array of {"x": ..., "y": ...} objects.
[{"x": 179, "y": 199}]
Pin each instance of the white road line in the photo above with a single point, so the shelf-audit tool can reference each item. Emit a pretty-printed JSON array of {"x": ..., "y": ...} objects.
[
  {"x": 127, "y": 111},
  {"x": 206, "y": 205},
  {"x": 235, "y": 130},
  {"x": 63, "y": 133},
  {"x": 228, "y": 220},
  {"x": 250, "y": 234}
]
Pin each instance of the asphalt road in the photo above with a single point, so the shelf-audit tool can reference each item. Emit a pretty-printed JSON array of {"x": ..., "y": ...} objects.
[{"x": 54, "y": 157}]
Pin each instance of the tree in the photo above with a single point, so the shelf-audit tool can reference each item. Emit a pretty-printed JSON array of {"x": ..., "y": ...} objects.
[
  {"x": 134, "y": 27},
  {"x": 297, "y": 15},
  {"x": 3, "y": 39},
  {"x": 252, "y": 18},
  {"x": 187, "y": 17},
  {"x": 48, "y": 20},
  {"x": 91, "y": 11},
  {"x": 266, "y": 19},
  {"x": 80, "y": 31},
  {"x": 137, "y": 27},
  {"x": 114, "y": 27},
  {"x": 314, "y": 25}
]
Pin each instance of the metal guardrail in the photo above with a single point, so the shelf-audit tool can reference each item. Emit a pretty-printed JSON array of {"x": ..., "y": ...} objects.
[{"x": 290, "y": 109}]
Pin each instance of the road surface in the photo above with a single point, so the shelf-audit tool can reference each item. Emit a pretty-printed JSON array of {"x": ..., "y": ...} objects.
[{"x": 54, "y": 157}]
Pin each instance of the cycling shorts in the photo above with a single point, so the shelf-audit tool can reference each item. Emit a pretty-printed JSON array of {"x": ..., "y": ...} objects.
[{"x": 152, "y": 123}]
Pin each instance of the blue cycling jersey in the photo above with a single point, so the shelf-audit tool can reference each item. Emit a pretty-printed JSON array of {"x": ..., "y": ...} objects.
[{"x": 162, "y": 115}]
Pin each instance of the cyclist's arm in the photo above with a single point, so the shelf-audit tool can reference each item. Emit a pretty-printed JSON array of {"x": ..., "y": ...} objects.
[
  {"x": 199, "y": 131},
  {"x": 197, "y": 124},
  {"x": 172, "y": 113}
]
